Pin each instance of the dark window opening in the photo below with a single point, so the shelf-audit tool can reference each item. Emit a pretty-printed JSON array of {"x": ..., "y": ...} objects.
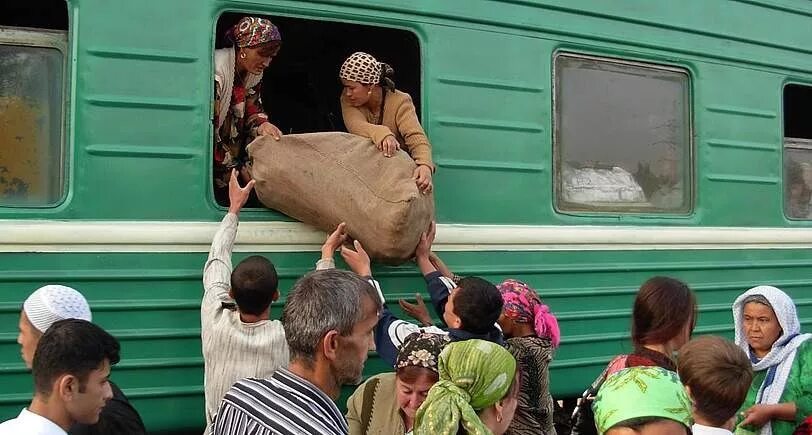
[
  {"x": 301, "y": 89},
  {"x": 798, "y": 111},
  {"x": 39, "y": 14}
]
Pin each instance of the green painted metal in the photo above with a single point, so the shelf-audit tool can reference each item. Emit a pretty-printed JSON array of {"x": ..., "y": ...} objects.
[{"x": 138, "y": 128}]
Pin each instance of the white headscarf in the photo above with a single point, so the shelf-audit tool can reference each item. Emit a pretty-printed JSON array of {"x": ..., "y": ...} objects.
[
  {"x": 224, "y": 64},
  {"x": 778, "y": 361},
  {"x": 53, "y": 303}
]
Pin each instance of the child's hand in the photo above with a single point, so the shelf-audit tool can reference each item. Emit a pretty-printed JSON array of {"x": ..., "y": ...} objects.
[{"x": 417, "y": 311}]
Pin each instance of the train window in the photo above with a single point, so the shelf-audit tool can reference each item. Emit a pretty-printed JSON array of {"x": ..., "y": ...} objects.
[
  {"x": 797, "y": 151},
  {"x": 300, "y": 88},
  {"x": 622, "y": 136},
  {"x": 32, "y": 71}
]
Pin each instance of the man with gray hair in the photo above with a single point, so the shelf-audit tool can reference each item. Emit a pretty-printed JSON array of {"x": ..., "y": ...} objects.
[{"x": 328, "y": 318}]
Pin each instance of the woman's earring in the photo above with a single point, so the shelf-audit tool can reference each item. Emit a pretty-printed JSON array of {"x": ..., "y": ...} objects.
[
  {"x": 242, "y": 55},
  {"x": 499, "y": 418}
]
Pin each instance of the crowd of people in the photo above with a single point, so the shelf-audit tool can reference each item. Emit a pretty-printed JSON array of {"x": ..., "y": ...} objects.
[{"x": 484, "y": 370}]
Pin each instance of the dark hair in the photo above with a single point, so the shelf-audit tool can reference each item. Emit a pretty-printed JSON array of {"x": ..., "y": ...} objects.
[
  {"x": 75, "y": 347},
  {"x": 322, "y": 301},
  {"x": 478, "y": 304},
  {"x": 719, "y": 375},
  {"x": 387, "y": 77},
  {"x": 253, "y": 284},
  {"x": 412, "y": 374},
  {"x": 660, "y": 311}
]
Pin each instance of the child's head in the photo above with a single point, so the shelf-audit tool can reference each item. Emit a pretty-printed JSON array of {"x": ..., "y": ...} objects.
[
  {"x": 474, "y": 306},
  {"x": 717, "y": 375}
]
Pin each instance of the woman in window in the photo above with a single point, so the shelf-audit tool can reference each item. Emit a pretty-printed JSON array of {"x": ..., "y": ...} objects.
[
  {"x": 373, "y": 108},
  {"x": 387, "y": 403},
  {"x": 238, "y": 113},
  {"x": 768, "y": 329}
]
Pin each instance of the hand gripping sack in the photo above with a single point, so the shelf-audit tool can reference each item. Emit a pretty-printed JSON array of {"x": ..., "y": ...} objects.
[{"x": 323, "y": 179}]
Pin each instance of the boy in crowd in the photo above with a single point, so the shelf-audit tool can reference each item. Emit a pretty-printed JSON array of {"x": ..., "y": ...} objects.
[
  {"x": 470, "y": 309},
  {"x": 716, "y": 374}
]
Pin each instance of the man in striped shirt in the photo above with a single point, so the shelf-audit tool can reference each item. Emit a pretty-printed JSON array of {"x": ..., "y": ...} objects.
[{"x": 329, "y": 317}]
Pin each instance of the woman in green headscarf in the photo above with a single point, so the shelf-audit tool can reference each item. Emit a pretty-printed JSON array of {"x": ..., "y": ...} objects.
[
  {"x": 643, "y": 401},
  {"x": 476, "y": 394}
]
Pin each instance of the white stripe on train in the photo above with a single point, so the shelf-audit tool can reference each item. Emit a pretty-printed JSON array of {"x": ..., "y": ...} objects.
[{"x": 158, "y": 236}]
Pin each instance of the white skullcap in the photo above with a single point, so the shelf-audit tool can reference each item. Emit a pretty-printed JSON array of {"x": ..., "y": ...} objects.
[{"x": 53, "y": 303}]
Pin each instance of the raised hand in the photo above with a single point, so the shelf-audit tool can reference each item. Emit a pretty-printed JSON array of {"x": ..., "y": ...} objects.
[
  {"x": 417, "y": 311},
  {"x": 357, "y": 259},
  {"x": 238, "y": 196}
]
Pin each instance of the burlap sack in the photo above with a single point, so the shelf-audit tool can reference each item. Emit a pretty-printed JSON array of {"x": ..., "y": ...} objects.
[{"x": 323, "y": 179}]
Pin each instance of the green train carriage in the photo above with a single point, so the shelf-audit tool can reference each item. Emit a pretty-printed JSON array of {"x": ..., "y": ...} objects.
[{"x": 582, "y": 146}]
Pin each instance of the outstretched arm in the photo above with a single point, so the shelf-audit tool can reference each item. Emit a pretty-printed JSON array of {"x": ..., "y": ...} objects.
[{"x": 217, "y": 271}]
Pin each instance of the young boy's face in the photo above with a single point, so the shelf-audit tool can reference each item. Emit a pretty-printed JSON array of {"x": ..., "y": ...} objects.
[{"x": 450, "y": 317}]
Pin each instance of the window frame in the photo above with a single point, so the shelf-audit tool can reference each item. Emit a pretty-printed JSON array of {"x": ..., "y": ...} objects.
[
  {"x": 689, "y": 173},
  {"x": 792, "y": 143},
  {"x": 58, "y": 40},
  {"x": 306, "y": 15}
]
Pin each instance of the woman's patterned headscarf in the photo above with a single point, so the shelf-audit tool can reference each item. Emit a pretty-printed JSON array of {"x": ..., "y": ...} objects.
[
  {"x": 640, "y": 392},
  {"x": 522, "y": 304},
  {"x": 253, "y": 31},
  {"x": 421, "y": 349},
  {"x": 474, "y": 374},
  {"x": 362, "y": 68}
]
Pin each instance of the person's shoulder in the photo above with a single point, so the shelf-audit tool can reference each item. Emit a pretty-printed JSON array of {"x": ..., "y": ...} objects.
[
  {"x": 7, "y": 426},
  {"x": 382, "y": 378},
  {"x": 401, "y": 97}
]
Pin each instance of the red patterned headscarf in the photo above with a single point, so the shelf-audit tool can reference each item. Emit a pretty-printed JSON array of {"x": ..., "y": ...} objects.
[
  {"x": 253, "y": 31},
  {"x": 522, "y": 304}
]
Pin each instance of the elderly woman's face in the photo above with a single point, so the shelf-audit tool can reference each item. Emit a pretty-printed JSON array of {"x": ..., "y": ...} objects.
[
  {"x": 761, "y": 327},
  {"x": 257, "y": 58},
  {"x": 357, "y": 93},
  {"x": 410, "y": 395}
]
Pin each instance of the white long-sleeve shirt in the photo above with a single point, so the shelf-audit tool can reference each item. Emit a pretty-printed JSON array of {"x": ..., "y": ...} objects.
[{"x": 232, "y": 349}]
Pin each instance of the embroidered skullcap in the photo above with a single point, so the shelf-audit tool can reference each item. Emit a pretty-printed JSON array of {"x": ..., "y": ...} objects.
[
  {"x": 253, "y": 31},
  {"x": 362, "y": 68},
  {"x": 421, "y": 349},
  {"x": 523, "y": 305},
  {"x": 52, "y": 303},
  {"x": 640, "y": 392}
]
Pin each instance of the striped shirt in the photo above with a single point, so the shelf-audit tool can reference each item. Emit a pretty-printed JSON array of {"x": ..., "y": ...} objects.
[
  {"x": 232, "y": 349},
  {"x": 284, "y": 404}
]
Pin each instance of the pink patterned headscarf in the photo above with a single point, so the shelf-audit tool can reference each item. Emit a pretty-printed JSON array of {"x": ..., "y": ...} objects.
[
  {"x": 523, "y": 305},
  {"x": 253, "y": 31}
]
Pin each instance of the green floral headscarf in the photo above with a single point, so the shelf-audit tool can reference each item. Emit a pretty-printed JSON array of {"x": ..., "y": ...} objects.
[
  {"x": 474, "y": 374},
  {"x": 640, "y": 392}
]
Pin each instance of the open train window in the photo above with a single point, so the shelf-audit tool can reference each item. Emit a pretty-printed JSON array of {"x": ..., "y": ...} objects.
[
  {"x": 33, "y": 47},
  {"x": 622, "y": 136},
  {"x": 300, "y": 88},
  {"x": 798, "y": 151}
]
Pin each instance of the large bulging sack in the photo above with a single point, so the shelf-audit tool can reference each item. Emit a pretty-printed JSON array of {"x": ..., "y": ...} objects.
[{"x": 323, "y": 179}]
